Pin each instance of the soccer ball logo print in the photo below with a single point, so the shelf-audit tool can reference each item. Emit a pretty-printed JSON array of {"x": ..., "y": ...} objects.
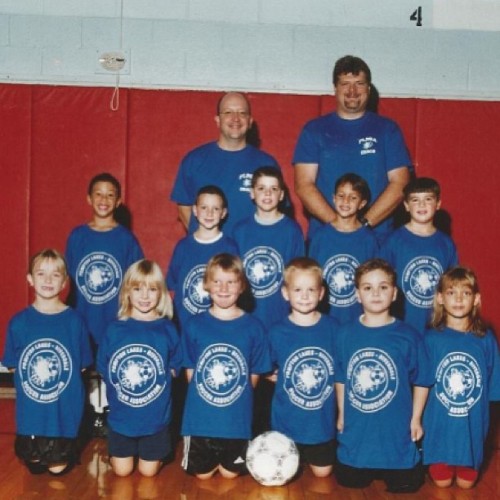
[
  {"x": 458, "y": 383},
  {"x": 99, "y": 277},
  {"x": 221, "y": 374},
  {"x": 45, "y": 368},
  {"x": 419, "y": 280},
  {"x": 308, "y": 377},
  {"x": 372, "y": 380},
  {"x": 264, "y": 269},
  {"x": 272, "y": 459},
  {"x": 195, "y": 298},
  {"x": 339, "y": 273},
  {"x": 138, "y": 374}
]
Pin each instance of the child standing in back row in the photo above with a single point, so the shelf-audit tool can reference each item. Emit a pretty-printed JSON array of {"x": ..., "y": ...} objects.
[
  {"x": 98, "y": 254},
  {"x": 266, "y": 241},
  {"x": 466, "y": 367},
  {"x": 137, "y": 358},
  {"x": 419, "y": 252},
  {"x": 191, "y": 254},
  {"x": 48, "y": 348},
  {"x": 341, "y": 246}
]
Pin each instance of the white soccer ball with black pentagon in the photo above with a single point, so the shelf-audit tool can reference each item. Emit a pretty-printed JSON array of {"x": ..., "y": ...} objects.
[{"x": 272, "y": 458}]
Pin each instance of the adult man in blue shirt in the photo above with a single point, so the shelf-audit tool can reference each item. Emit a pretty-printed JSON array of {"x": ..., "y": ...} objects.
[{"x": 351, "y": 139}]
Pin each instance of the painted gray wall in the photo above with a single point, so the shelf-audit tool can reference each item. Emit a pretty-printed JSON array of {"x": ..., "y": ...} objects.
[{"x": 260, "y": 45}]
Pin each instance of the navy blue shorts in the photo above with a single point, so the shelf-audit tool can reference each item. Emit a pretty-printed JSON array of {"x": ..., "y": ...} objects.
[{"x": 152, "y": 447}]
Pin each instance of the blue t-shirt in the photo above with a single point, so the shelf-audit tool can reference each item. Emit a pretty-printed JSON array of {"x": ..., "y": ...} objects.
[
  {"x": 135, "y": 359},
  {"x": 97, "y": 261},
  {"x": 265, "y": 251},
  {"x": 186, "y": 270},
  {"x": 466, "y": 372},
  {"x": 303, "y": 406},
  {"x": 419, "y": 262},
  {"x": 223, "y": 355},
  {"x": 48, "y": 352},
  {"x": 339, "y": 254},
  {"x": 378, "y": 367},
  {"x": 231, "y": 171},
  {"x": 370, "y": 146}
]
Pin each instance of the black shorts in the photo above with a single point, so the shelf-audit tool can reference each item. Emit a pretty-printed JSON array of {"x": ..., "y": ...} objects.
[
  {"x": 46, "y": 450},
  {"x": 152, "y": 447},
  {"x": 396, "y": 480},
  {"x": 203, "y": 455},
  {"x": 320, "y": 455}
]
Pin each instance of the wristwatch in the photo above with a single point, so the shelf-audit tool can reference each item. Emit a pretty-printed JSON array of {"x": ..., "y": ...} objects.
[{"x": 365, "y": 222}]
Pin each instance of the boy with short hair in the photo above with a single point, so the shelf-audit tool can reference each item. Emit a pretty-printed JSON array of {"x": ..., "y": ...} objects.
[
  {"x": 380, "y": 361},
  {"x": 343, "y": 244},
  {"x": 98, "y": 254},
  {"x": 419, "y": 252},
  {"x": 303, "y": 355},
  {"x": 266, "y": 241},
  {"x": 224, "y": 351},
  {"x": 48, "y": 347},
  {"x": 191, "y": 254}
]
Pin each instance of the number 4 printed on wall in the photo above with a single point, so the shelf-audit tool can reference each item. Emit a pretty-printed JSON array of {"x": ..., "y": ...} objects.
[{"x": 417, "y": 16}]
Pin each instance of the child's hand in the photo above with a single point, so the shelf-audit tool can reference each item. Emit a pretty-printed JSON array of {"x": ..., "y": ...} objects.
[
  {"x": 416, "y": 430},
  {"x": 340, "y": 423},
  {"x": 273, "y": 377}
]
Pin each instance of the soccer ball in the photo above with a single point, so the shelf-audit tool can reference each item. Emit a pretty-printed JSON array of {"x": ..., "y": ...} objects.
[{"x": 272, "y": 458}]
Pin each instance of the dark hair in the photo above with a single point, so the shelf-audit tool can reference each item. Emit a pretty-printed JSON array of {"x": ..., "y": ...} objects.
[
  {"x": 105, "y": 177},
  {"x": 351, "y": 64},
  {"x": 219, "y": 102},
  {"x": 358, "y": 184},
  {"x": 374, "y": 265},
  {"x": 212, "y": 189},
  {"x": 422, "y": 185},
  {"x": 269, "y": 172}
]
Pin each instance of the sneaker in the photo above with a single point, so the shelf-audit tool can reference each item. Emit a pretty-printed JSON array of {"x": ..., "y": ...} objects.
[{"x": 99, "y": 426}]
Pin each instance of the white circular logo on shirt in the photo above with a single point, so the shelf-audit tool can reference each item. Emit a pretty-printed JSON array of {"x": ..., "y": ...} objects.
[
  {"x": 45, "y": 368},
  {"x": 419, "y": 280},
  {"x": 99, "y": 277},
  {"x": 308, "y": 377},
  {"x": 264, "y": 269},
  {"x": 194, "y": 297},
  {"x": 221, "y": 374},
  {"x": 459, "y": 383},
  {"x": 372, "y": 380},
  {"x": 137, "y": 373},
  {"x": 338, "y": 273}
]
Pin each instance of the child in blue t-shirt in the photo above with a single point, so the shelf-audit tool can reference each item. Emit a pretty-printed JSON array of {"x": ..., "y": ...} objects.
[
  {"x": 341, "y": 246},
  {"x": 465, "y": 365},
  {"x": 137, "y": 358},
  {"x": 381, "y": 384},
  {"x": 48, "y": 347},
  {"x": 224, "y": 351},
  {"x": 303, "y": 355},
  {"x": 98, "y": 254},
  {"x": 266, "y": 241},
  {"x": 419, "y": 252},
  {"x": 191, "y": 254}
]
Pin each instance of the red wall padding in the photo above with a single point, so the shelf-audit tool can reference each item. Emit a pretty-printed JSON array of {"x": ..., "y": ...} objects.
[{"x": 54, "y": 139}]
